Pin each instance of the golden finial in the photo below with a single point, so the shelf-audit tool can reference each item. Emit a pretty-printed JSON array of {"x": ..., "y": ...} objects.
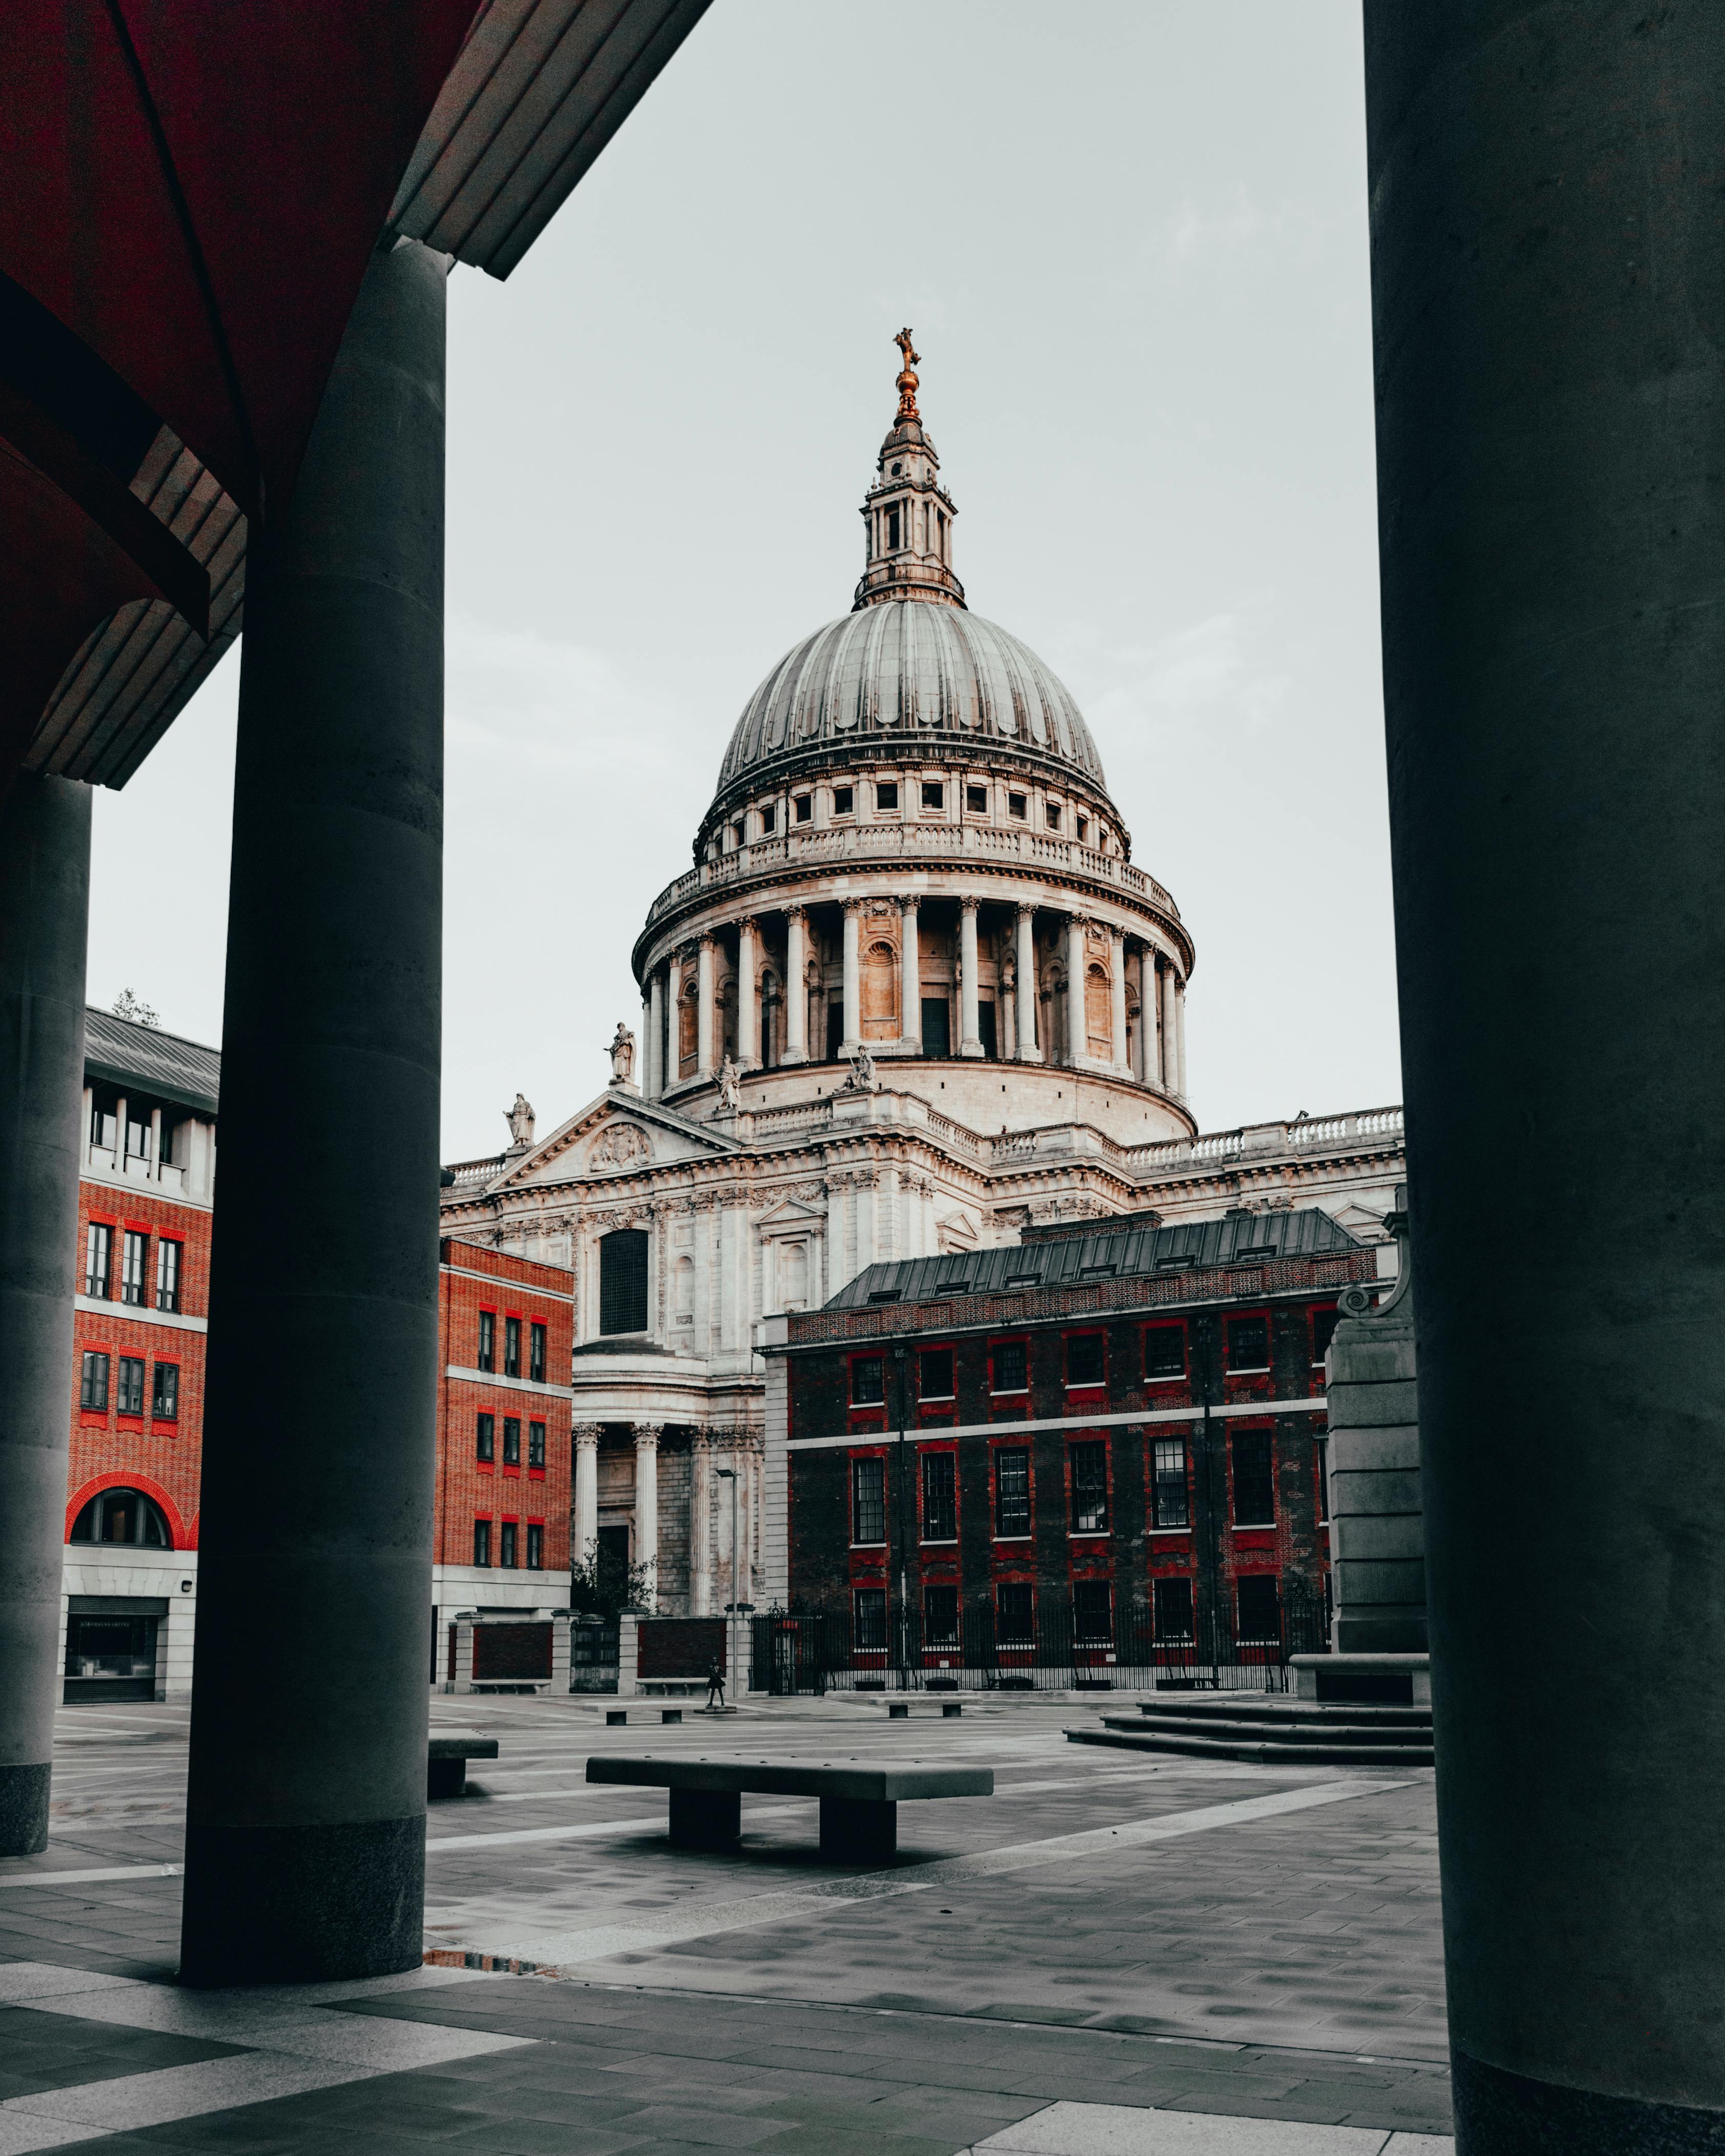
[{"x": 908, "y": 381}]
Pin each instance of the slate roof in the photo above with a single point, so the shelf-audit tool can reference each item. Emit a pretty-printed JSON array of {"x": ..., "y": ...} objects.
[
  {"x": 1100, "y": 1250},
  {"x": 117, "y": 1052}
]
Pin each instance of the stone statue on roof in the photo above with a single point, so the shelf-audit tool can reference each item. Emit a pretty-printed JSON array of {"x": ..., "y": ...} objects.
[
  {"x": 520, "y": 1120},
  {"x": 862, "y": 1078},
  {"x": 730, "y": 1086},
  {"x": 622, "y": 1052}
]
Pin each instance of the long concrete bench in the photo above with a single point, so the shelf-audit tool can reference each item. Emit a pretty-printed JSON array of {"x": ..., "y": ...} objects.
[
  {"x": 450, "y": 1750},
  {"x": 859, "y": 1803}
]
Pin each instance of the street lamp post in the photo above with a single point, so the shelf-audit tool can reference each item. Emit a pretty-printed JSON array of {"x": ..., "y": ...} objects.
[
  {"x": 904, "y": 1647},
  {"x": 729, "y": 1474}
]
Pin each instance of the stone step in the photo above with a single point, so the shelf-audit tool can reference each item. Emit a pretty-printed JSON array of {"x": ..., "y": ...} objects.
[
  {"x": 1273, "y": 1729},
  {"x": 1226, "y": 1705},
  {"x": 1257, "y": 1752}
]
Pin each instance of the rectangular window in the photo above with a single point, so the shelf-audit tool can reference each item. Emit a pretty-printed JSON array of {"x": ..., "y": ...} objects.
[
  {"x": 1260, "y": 1609},
  {"x": 1323, "y": 1331},
  {"x": 976, "y": 799},
  {"x": 1014, "y": 1614},
  {"x": 536, "y": 1546},
  {"x": 1017, "y": 806},
  {"x": 868, "y": 1616},
  {"x": 535, "y": 1445},
  {"x": 868, "y": 1382},
  {"x": 623, "y": 1280},
  {"x": 940, "y": 1616},
  {"x": 1170, "y": 1486},
  {"x": 886, "y": 793},
  {"x": 164, "y": 1393},
  {"x": 1007, "y": 1368},
  {"x": 1248, "y": 1343},
  {"x": 934, "y": 1374},
  {"x": 1051, "y": 812},
  {"x": 940, "y": 1497},
  {"x": 505, "y": 1545},
  {"x": 934, "y": 793},
  {"x": 1090, "y": 1488},
  {"x": 843, "y": 800},
  {"x": 769, "y": 819},
  {"x": 1084, "y": 1360},
  {"x": 936, "y": 1027},
  {"x": 535, "y": 1352},
  {"x": 868, "y": 1500},
  {"x": 511, "y": 1346},
  {"x": 98, "y": 1250},
  {"x": 1012, "y": 1493},
  {"x": 133, "y": 1252},
  {"x": 485, "y": 1438},
  {"x": 1173, "y": 1608},
  {"x": 804, "y": 805},
  {"x": 487, "y": 1341},
  {"x": 1254, "y": 1480},
  {"x": 1165, "y": 1352},
  {"x": 1092, "y": 1613},
  {"x": 1320, "y": 1446},
  {"x": 93, "y": 1390},
  {"x": 167, "y": 1275},
  {"x": 985, "y": 1031},
  {"x": 511, "y": 1441},
  {"x": 482, "y": 1542},
  {"x": 1083, "y": 829},
  {"x": 891, "y": 530},
  {"x": 130, "y": 1399}
]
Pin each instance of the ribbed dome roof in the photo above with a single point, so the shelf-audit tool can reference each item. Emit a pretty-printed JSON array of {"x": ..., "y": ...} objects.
[{"x": 910, "y": 668}]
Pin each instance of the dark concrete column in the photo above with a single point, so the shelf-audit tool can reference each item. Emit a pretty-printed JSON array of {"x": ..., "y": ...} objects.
[
  {"x": 44, "y": 924},
  {"x": 1549, "y": 295},
  {"x": 306, "y": 1825}
]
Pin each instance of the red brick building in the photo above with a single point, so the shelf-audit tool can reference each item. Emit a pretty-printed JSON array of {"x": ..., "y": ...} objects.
[
  {"x": 506, "y": 1327},
  {"x": 1112, "y": 1464},
  {"x": 145, "y": 1198}
]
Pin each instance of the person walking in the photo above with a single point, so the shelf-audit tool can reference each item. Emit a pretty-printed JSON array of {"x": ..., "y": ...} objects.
[{"x": 714, "y": 1683}]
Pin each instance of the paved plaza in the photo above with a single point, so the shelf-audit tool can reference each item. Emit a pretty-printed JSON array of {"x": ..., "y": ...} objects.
[{"x": 1116, "y": 1952}]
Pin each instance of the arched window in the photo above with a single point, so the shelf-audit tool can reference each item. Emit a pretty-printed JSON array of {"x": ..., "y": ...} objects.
[
  {"x": 1099, "y": 1012},
  {"x": 623, "y": 1280},
  {"x": 879, "y": 992},
  {"x": 687, "y": 1022},
  {"x": 123, "y": 1516}
]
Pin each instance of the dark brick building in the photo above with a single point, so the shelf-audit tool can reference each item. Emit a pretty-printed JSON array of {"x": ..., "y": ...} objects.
[{"x": 1112, "y": 1454}]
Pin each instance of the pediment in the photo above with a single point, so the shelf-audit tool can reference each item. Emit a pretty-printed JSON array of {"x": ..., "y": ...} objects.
[
  {"x": 790, "y": 1216},
  {"x": 618, "y": 1134}
]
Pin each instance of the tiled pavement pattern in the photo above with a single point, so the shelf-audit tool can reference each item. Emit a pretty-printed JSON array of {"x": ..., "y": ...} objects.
[{"x": 1135, "y": 1959}]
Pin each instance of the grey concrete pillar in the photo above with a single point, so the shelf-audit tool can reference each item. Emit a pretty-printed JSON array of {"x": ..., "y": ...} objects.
[
  {"x": 45, "y": 921},
  {"x": 1548, "y": 289},
  {"x": 306, "y": 1816}
]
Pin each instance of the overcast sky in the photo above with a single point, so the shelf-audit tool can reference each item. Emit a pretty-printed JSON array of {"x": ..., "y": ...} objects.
[{"x": 1131, "y": 239}]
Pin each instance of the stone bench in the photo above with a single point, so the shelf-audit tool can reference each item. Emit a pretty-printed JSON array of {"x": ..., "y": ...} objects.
[
  {"x": 450, "y": 1750},
  {"x": 859, "y": 1803}
]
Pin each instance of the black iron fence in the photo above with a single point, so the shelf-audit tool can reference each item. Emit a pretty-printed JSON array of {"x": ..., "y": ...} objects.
[{"x": 1056, "y": 1648}]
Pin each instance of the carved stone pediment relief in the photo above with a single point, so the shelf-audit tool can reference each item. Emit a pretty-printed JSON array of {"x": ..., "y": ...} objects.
[{"x": 620, "y": 1145}]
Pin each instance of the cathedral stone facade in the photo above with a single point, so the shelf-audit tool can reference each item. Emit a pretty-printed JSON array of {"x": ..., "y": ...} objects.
[{"x": 913, "y": 997}]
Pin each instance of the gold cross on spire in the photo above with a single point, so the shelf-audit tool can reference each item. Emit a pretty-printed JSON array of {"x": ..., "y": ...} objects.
[{"x": 908, "y": 381}]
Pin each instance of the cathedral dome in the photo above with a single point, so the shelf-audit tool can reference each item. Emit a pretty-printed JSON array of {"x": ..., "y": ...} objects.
[{"x": 903, "y": 670}]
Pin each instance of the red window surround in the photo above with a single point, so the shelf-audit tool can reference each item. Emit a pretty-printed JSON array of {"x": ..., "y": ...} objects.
[{"x": 1009, "y": 1340}]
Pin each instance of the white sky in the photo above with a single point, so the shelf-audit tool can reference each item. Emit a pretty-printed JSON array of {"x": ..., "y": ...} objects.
[{"x": 1131, "y": 239}]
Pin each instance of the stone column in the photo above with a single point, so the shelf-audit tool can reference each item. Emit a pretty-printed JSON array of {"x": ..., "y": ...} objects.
[
  {"x": 1007, "y": 1017},
  {"x": 1546, "y": 284},
  {"x": 305, "y": 1807},
  {"x": 1180, "y": 1037},
  {"x": 1170, "y": 1072},
  {"x": 655, "y": 1036},
  {"x": 1077, "y": 1033},
  {"x": 853, "y": 975},
  {"x": 796, "y": 985},
  {"x": 673, "y": 1021},
  {"x": 748, "y": 1007},
  {"x": 1147, "y": 1018},
  {"x": 1117, "y": 991},
  {"x": 701, "y": 1524},
  {"x": 44, "y": 916},
  {"x": 705, "y": 1062},
  {"x": 1029, "y": 1052},
  {"x": 970, "y": 1041},
  {"x": 909, "y": 978},
  {"x": 647, "y": 1436},
  {"x": 584, "y": 1511}
]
